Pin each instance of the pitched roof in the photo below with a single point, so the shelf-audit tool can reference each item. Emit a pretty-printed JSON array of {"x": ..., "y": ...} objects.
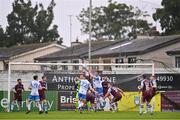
[
  {"x": 6, "y": 53},
  {"x": 77, "y": 51},
  {"x": 136, "y": 47},
  {"x": 113, "y": 48},
  {"x": 174, "y": 51}
]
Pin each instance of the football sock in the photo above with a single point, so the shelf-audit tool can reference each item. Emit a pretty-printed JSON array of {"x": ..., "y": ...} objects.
[
  {"x": 12, "y": 106},
  {"x": 45, "y": 106},
  {"x": 29, "y": 106},
  {"x": 39, "y": 106},
  {"x": 141, "y": 108}
]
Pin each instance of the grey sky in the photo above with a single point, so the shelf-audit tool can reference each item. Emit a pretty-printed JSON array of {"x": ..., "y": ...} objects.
[{"x": 73, "y": 7}]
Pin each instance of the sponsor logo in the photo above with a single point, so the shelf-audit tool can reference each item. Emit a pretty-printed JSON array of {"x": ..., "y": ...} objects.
[{"x": 65, "y": 99}]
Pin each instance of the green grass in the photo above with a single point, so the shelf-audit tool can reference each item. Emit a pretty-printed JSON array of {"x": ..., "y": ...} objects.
[{"x": 90, "y": 116}]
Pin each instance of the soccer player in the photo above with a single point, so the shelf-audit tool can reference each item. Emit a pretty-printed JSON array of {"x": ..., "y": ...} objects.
[
  {"x": 97, "y": 84},
  {"x": 34, "y": 95},
  {"x": 42, "y": 95},
  {"x": 90, "y": 98},
  {"x": 17, "y": 89},
  {"x": 117, "y": 95},
  {"x": 154, "y": 84},
  {"x": 146, "y": 89},
  {"x": 84, "y": 87},
  {"x": 105, "y": 83},
  {"x": 76, "y": 87}
]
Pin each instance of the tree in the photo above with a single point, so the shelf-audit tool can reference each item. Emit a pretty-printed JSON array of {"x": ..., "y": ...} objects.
[
  {"x": 169, "y": 16},
  {"x": 31, "y": 24},
  {"x": 2, "y": 37},
  {"x": 114, "y": 21}
]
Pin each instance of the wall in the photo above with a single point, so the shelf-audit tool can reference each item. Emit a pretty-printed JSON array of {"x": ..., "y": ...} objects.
[
  {"x": 1, "y": 65},
  {"x": 160, "y": 55},
  {"x": 30, "y": 58},
  {"x": 25, "y": 76}
]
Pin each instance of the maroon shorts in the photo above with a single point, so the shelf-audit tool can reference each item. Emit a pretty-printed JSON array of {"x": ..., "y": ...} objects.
[
  {"x": 146, "y": 98},
  {"x": 153, "y": 92},
  {"x": 90, "y": 98},
  {"x": 42, "y": 97},
  {"x": 18, "y": 97},
  {"x": 105, "y": 90},
  {"x": 117, "y": 98}
]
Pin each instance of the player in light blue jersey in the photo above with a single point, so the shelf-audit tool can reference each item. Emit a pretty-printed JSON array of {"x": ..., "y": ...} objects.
[
  {"x": 34, "y": 95},
  {"x": 85, "y": 85},
  {"x": 97, "y": 84}
]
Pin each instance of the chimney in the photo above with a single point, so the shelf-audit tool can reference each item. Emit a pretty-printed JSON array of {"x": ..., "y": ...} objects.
[{"x": 76, "y": 42}]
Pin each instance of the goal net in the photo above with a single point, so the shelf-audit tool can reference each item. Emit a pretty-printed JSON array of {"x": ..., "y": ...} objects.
[{"x": 61, "y": 92}]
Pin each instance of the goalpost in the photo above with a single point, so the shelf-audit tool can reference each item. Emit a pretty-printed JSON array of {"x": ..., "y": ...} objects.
[{"x": 133, "y": 70}]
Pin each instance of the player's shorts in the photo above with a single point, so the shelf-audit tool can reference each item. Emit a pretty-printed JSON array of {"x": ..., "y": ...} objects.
[
  {"x": 116, "y": 98},
  {"x": 90, "y": 98},
  {"x": 81, "y": 96},
  {"x": 153, "y": 92},
  {"x": 105, "y": 90},
  {"x": 146, "y": 98},
  {"x": 42, "y": 97},
  {"x": 34, "y": 98},
  {"x": 18, "y": 97},
  {"x": 99, "y": 91}
]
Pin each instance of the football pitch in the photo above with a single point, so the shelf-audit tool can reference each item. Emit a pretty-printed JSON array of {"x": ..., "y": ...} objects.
[{"x": 90, "y": 116}]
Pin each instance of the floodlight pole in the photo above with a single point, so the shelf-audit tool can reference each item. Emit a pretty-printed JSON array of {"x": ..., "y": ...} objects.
[
  {"x": 70, "y": 21},
  {"x": 90, "y": 29}
]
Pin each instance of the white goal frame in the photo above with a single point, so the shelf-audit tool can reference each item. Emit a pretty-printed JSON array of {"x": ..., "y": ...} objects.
[{"x": 71, "y": 64}]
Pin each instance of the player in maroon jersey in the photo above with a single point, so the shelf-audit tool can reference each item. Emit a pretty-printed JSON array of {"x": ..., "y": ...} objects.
[
  {"x": 42, "y": 95},
  {"x": 105, "y": 85},
  {"x": 116, "y": 94},
  {"x": 153, "y": 79},
  {"x": 17, "y": 89},
  {"x": 90, "y": 97},
  {"x": 146, "y": 89}
]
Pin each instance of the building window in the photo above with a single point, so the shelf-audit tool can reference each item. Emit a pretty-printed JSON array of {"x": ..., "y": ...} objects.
[
  {"x": 177, "y": 60},
  {"x": 119, "y": 60},
  {"x": 76, "y": 67},
  {"x": 6, "y": 66},
  {"x": 64, "y": 67},
  {"x": 53, "y": 67},
  {"x": 108, "y": 68},
  {"x": 95, "y": 67},
  {"x": 132, "y": 60}
]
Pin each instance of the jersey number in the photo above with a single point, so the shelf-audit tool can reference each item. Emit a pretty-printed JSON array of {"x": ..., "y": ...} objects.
[{"x": 35, "y": 85}]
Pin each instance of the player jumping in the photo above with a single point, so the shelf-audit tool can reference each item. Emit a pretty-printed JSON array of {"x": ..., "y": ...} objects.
[
  {"x": 84, "y": 87},
  {"x": 97, "y": 84},
  {"x": 34, "y": 95}
]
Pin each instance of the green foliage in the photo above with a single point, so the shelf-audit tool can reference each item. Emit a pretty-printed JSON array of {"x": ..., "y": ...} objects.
[
  {"x": 31, "y": 24},
  {"x": 169, "y": 16},
  {"x": 2, "y": 37},
  {"x": 114, "y": 21}
]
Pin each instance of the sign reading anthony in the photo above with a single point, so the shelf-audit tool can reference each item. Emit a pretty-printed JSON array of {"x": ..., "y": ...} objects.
[
  {"x": 128, "y": 82},
  {"x": 61, "y": 82}
]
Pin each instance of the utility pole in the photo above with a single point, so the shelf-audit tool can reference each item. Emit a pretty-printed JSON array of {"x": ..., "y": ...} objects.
[
  {"x": 70, "y": 34},
  {"x": 90, "y": 29}
]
